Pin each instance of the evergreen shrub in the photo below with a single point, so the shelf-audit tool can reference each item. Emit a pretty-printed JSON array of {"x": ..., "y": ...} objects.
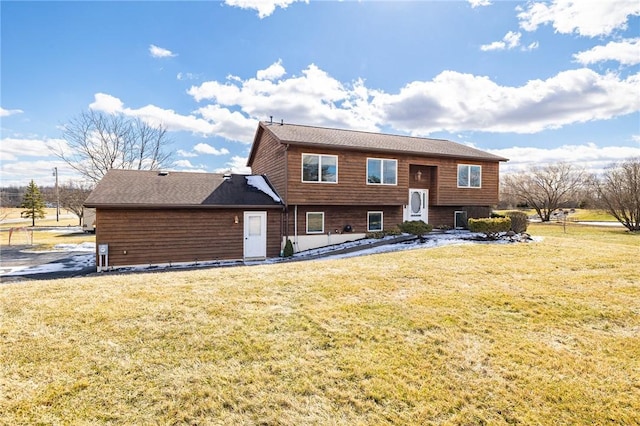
[{"x": 491, "y": 227}]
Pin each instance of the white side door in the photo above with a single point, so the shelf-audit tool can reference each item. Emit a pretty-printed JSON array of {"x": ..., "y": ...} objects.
[
  {"x": 418, "y": 206},
  {"x": 255, "y": 235}
]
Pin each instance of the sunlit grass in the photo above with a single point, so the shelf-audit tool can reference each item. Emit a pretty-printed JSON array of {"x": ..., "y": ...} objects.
[
  {"x": 45, "y": 239},
  {"x": 13, "y": 219},
  {"x": 592, "y": 216},
  {"x": 538, "y": 333}
]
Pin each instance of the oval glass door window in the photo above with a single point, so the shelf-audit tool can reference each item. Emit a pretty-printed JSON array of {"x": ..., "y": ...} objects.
[{"x": 416, "y": 202}]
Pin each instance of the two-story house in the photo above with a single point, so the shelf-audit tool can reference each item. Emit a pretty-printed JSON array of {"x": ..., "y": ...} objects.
[
  {"x": 315, "y": 186},
  {"x": 338, "y": 185}
]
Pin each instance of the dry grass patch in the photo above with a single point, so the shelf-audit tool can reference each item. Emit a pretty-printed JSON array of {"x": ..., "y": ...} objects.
[{"x": 500, "y": 334}]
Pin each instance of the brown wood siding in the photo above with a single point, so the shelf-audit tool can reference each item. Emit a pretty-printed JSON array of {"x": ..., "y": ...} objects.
[
  {"x": 352, "y": 187},
  {"x": 449, "y": 194},
  {"x": 156, "y": 236},
  {"x": 439, "y": 175},
  {"x": 269, "y": 160},
  {"x": 336, "y": 217}
]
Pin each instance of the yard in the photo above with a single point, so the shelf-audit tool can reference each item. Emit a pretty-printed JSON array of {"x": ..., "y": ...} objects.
[{"x": 532, "y": 333}]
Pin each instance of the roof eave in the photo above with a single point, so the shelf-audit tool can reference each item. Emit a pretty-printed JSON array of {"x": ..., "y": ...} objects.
[{"x": 182, "y": 206}]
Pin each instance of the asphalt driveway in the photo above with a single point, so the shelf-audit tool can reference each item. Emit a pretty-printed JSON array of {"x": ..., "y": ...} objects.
[{"x": 18, "y": 262}]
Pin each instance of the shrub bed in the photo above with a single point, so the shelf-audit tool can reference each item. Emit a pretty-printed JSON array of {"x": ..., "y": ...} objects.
[{"x": 491, "y": 227}]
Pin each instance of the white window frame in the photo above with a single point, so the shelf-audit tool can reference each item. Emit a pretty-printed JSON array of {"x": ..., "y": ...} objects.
[
  {"x": 319, "y": 168},
  {"x": 382, "y": 160},
  {"x": 468, "y": 167},
  {"x": 369, "y": 221},
  {"x": 307, "y": 223}
]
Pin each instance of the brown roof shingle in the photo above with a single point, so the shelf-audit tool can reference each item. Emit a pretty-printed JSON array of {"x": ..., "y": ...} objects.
[
  {"x": 144, "y": 188},
  {"x": 379, "y": 142}
]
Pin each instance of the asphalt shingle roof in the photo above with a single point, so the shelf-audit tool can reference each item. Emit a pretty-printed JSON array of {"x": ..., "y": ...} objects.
[
  {"x": 357, "y": 140},
  {"x": 143, "y": 188}
]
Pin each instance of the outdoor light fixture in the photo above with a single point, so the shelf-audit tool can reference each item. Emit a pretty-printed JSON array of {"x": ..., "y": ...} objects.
[
  {"x": 235, "y": 219},
  {"x": 418, "y": 175}
]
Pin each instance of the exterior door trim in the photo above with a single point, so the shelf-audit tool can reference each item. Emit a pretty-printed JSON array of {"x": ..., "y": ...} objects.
[{"x": 255, "y": 235}]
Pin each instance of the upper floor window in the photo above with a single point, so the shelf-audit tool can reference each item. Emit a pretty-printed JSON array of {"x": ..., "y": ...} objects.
[
  {"x": 319, "y": 168},
  {"x": 382, "y": 172},
  {"x": 469, "y": 176}
]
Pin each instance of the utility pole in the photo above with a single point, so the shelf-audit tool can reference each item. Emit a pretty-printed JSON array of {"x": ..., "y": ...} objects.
[{"x": 55, "y": 173}]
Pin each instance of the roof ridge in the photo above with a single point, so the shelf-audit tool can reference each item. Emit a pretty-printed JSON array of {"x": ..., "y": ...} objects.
[{"x": 269, "y": 124}]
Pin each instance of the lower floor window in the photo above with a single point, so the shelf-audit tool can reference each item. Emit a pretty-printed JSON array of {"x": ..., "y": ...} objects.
[
  {"x": 374, "y": 221},
  {"x": 315, "y": 222}
]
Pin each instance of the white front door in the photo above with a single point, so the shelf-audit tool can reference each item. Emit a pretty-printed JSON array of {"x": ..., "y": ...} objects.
[
  {"x": 418, "y": 206},
  {"x": 255, "y": 235}
]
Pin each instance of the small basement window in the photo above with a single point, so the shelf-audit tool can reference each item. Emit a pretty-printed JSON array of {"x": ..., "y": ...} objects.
[
  {"x": 374, "y": 221},
  {"x": 315, "y": 223}
]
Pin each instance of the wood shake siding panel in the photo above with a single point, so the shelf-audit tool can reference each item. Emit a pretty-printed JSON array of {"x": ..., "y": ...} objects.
[
  {"x": 438, "y": 175},
  {"x": 336, "y": 217},
  {"x": 177, "y": 235},
  {"x": 270, "y": 161},
  {"x": 352, "y": 187},
  {"x": 450, "y": 194}
]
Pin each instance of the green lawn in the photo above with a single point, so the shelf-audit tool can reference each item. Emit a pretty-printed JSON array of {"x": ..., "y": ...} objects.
[{"x": 529, "y": 333}]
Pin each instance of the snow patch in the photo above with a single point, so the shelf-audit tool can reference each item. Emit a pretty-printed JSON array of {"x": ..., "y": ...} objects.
[{"x": 259, "y": 183}]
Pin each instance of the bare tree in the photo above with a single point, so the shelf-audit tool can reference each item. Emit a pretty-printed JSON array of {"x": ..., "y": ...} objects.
[
  {"x": 618, "y": 191},
  {"x": 73, "y": 196},
  {"x": 545, "y": 188},
  {"x": 98, "y": 142}
]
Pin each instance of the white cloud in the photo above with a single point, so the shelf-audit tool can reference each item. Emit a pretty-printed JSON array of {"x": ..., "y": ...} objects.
[
  {"x": 16, "y": 147},
  {"x": 20, "y": 172},
  {"x": 237, "y": 164},
  {"x": 183, "y": 163},
  {"x": 186, "y": 154},
  {"x": 106, "y": 103},
  {"x": 478, "y": 3},
  {"x": 160, "y": 52},
  {"x": 496, "y": 45},
  {"x": 590, "y": 156},
  {"x": 532, "y": 46},
  {"x": 454, "y": 102},
  {"x": 8, "y": 112},
  {"x": 627, "y": 52},
  {"x": 153, "y": 115},
  {"x": 511, "y": 40},
  {"x": 203, "y": 148},
  {"x": 586, "y": 18},
  {"x": 313, "y": 97},
  {"x": 264, "y": 7},
  {"x": 273, "y": 72}
]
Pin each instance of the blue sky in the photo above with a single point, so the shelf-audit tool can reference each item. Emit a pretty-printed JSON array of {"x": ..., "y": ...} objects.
[{"x": 535, "y": 81}]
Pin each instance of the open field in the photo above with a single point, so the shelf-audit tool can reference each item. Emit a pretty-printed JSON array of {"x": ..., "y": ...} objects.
[
  {"x": 11, "y": 218},
  {"x": 56, "y": 232},
  {"x": 537, "y": 333},
  {"x": 579, "y": 215}
]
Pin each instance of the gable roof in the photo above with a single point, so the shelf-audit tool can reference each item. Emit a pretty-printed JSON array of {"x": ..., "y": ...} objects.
[
  {"x": 323, "y": 137},
  {"x": 144, "y": 188}
]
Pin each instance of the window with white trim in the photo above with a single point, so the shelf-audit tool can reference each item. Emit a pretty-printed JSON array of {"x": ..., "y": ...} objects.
[
  {"x": 319, "y": 168},
  {"x": 381, "y": 171},
  {"x": 374, "y": 221},
  {"x": 469, "y": 176},
  {"x": 315, "y": 223}
]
